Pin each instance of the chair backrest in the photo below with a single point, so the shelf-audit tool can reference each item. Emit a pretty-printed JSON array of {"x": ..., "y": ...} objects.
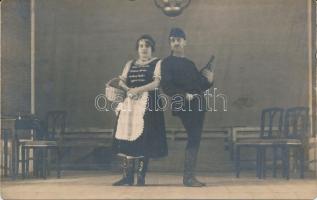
[
  {"x": 296, "y": 122},
  {"x": 271, "y": 117},
  {"x": 5, "y": 134},
  {"x": 55, "y": 123},
  {"x": 28, "y": 123}
]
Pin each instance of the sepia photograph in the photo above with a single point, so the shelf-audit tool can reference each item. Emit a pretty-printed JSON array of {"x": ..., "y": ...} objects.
[{"x": 158, "y": 99}]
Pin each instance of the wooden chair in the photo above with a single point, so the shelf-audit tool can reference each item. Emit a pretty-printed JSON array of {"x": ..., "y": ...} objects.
[
  {"x": 270, "y": 118},
  {"x": 55, "y": 127},
  {"x": 27, "y": 129},
  {"x": 293, "y": 137},
  {"x": 43, "y": 143},
  {"x": 295, "y": 132}
]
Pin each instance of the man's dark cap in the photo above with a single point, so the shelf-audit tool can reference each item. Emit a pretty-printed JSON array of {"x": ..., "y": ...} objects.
[{"x": 177, "y": 32}]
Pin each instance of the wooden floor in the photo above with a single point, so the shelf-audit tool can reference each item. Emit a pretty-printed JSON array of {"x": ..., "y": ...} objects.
[{"x": 97, "y": 185}]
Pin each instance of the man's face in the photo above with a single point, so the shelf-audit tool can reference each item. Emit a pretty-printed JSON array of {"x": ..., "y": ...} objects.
[{"x": 177, "y": 44}]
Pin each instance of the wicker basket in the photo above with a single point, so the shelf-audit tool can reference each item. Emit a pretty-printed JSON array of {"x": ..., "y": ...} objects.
[{"x": 113, "y": 91}]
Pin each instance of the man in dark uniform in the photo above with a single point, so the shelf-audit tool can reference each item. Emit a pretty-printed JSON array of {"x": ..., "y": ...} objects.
[{"x": 180, "y": 78}]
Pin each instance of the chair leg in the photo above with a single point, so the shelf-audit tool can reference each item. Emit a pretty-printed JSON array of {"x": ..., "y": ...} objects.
[
  {"x": 39, "y": 162},
  {"x": 17, "y": 164},
  {"x": 283, "y": 151},
  {"x": 48, "y": 162},
  {"x": 41, "y": 166},
  {"x": 14, "y": 158},
  {"x": 302, "y": 161},
  {"x": 44, "y": 163},
  {"x": 35, "y": 162},
  {"x": 5, "y": 150},
  {"x": 274, "y": 161},
  {"x": 27, "y": 153},
  {"x": 237, "y": 161},
  {"x": 286, "y": 162},
  {"x": 58, "y": 162},
  {"x": 263, "y": 152},
  {"x": 23, "y": 160},
  {"x": 258, "y": 162}
]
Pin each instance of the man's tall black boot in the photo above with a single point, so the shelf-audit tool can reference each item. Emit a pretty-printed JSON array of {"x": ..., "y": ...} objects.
[
  {"x": 189, "y": 178},
  {"x": 128, "y": 173},
  {"x": 142, "y": 169}
]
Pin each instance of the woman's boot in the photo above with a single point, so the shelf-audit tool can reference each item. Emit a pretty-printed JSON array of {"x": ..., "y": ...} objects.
[
  {"x": 142, "y": 169},
  {"x": 128, "y": 173}
]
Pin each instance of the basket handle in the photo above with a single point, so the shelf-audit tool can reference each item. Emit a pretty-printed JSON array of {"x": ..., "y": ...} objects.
[{"x": 112, "y": 80}]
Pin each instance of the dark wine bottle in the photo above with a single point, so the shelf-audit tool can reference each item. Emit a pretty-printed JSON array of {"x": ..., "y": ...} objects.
[{"x": 209, "y": 66}]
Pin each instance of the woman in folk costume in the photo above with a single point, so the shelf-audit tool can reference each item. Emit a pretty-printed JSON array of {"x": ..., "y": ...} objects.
[{"x": 140, "y": 128}]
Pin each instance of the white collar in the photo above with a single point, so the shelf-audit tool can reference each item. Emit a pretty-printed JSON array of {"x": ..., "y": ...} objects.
[{"x": 139, "y": 62}]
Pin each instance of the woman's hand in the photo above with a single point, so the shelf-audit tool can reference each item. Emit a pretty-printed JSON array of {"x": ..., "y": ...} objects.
[
  {"x": 123, "y": 85},
  {"x": 134, "y": 93}
]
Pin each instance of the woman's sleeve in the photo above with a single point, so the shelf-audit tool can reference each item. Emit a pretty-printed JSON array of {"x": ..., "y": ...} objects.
[
  {"x": 125, "y": 71},
  {"x": 157, "y": 71}
]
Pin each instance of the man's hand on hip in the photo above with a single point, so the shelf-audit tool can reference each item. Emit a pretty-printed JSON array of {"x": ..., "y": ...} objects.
[{"x": 189, "y": 96}]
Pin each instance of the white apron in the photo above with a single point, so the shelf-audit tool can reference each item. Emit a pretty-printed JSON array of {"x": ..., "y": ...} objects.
[{"x": 130, "y": 123}]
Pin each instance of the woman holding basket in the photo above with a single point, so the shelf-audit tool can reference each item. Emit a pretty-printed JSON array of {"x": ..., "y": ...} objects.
[{"x": 140, "y": 129}]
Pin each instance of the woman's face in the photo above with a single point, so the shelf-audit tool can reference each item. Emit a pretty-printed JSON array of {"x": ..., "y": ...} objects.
[{"x": 144, "y": 50}]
